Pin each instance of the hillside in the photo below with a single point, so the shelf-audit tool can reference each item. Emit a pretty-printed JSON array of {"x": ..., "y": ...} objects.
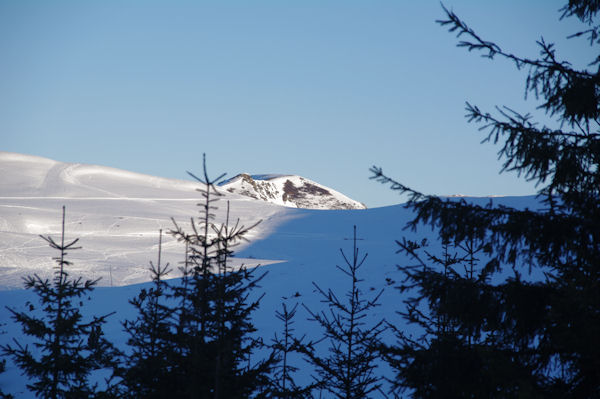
[{"x": 117, "y": 215}]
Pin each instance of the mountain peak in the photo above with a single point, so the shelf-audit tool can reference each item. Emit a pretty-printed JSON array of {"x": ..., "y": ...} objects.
[{"x": 289, "y": 190}]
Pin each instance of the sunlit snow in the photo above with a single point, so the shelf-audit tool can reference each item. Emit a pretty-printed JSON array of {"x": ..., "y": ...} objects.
[{"x": 117, "y": 216}]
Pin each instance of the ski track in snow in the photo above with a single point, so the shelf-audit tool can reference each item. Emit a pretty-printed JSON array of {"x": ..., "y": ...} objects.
[{"x": 93, "y": 198}]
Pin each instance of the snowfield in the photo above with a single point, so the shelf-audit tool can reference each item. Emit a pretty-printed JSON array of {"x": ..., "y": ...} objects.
[{"x": 117, "y": 216}]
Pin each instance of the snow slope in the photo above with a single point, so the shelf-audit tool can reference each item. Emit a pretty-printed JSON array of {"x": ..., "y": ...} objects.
[
  {"x": 289, "y": 190},
  {"x": 309, "y": 242},
  {"x": 117, "y": 215}
]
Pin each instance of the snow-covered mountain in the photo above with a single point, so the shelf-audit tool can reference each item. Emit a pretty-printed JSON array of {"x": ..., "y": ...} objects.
[
  {"x": 289, "y": 190},
  {"x": 117, "y": 215}
]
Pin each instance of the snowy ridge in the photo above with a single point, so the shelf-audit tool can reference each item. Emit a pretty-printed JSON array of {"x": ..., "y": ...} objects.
[
  {"x": 116, "y": 214},
  {"x": 289, "y": 190},
  {"x": 27, "y": 175}
]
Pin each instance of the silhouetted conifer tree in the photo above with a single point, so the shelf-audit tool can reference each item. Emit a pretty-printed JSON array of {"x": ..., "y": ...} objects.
[
  {"x": 3, "y": 367},
  {"x": 348, "y": 370},
  {"x": 147, "y": 372},
  {"x": 447, "y": 300},
  {"x": 528, "y": 338},
  {"x": 66, "y": 349},
  {"x": 284, "y": 345},
  {"x": 214, "y": 328}
]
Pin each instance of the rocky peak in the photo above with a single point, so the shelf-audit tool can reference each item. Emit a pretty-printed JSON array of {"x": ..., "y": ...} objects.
[{"x": 289, "y": 190}]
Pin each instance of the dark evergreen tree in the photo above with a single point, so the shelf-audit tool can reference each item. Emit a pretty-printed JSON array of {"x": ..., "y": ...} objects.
[
  {"x": 3, "y": 367},
  {"x": 452, "y": 357},
  {"x": 282, "y": 382},
  {"x": 67, "y": 349},
  {"x": 2, "y": 394},
  {"x": 148, "y": 365},
  {"x": 214, "y": 329},
  {"x": 348, "y": 370},
  {"x": 528, "y": 338}
]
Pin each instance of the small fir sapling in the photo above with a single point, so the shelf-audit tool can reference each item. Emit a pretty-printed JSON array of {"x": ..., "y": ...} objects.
[
  {"x": 148, "y": 364},
  {"x": 349, "y": 369},
  {"x": 66, "y": 349},
  {"x": 283, "y": 384}
]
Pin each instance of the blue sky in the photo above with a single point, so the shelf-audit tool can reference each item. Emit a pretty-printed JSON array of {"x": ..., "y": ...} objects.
[{"x": 323, "y": 89}]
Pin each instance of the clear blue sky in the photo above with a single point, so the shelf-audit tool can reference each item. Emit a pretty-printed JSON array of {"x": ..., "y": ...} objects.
[{"x": 323, "y": 89}]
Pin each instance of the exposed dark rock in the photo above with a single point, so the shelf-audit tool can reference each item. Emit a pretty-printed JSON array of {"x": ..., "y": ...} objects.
[{"x": 303, "y": 194}]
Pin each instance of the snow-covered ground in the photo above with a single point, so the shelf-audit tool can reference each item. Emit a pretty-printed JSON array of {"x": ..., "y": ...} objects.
[{"x": 117, "y": 215}]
